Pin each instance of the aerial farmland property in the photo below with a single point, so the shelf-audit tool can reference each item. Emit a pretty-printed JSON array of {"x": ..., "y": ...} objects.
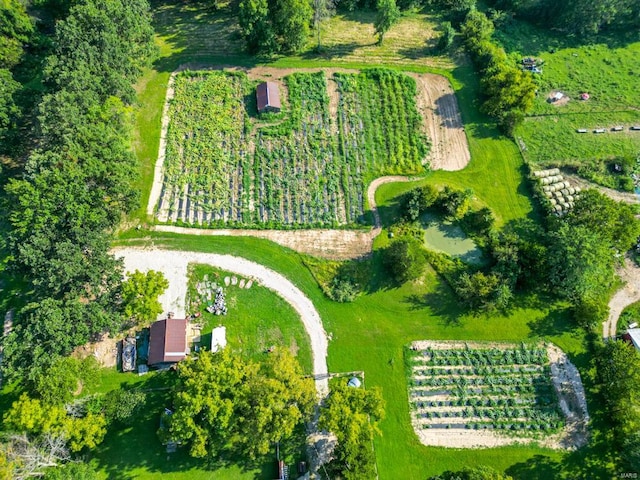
[{"x": 319, "y": 240}]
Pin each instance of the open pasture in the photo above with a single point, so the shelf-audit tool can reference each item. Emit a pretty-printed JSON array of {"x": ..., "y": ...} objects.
[
  {"x": 553, "y": 140},
  {"x": 466, "y": 395},
  {"x": 223, "y": 167}
]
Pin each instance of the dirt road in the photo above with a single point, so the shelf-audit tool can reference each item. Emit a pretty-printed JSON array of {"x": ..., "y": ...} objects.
[
  {"x": 630, "y": 293},
  {"x": 173, "y": 264},
  {"x": 626, "y": 197}
]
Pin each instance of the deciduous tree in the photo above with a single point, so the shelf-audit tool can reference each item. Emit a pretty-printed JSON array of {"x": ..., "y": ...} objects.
[
  {"x": 352, "y": 415},
  {"x": 404, "y": 259},
  {"x": 388, "y": 14},
  {"x": 220, "y": 397},
  {"x": 140, "y": 294}
]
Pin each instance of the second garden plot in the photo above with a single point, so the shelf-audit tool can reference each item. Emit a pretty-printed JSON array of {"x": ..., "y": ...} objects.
[
  {"x": 473, "y": 394},
  {"x": 225, "y": 166}
]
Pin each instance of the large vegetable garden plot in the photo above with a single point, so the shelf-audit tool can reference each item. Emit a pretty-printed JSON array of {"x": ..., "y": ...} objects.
[
  {"x": 220, "y": 170},
  {"x": 483, "y": 395}
]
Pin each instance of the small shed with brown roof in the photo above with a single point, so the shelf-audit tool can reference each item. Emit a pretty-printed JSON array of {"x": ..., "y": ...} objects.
[
  {"x": 168, "y": 341},
  {"x": 268, "y": 97}
]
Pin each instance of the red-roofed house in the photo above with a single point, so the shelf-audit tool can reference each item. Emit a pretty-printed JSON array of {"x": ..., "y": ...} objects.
[
  {"x": 168, "y": 341},
  {"x": 268, "y": 97}
]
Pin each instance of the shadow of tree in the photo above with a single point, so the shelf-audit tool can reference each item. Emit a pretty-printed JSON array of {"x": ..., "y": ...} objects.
[
  {"x": 441, "y": 301},
  {"x": 332, "y": 51}
]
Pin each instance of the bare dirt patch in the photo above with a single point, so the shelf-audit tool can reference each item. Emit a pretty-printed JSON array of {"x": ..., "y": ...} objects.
[
  {"x": 626, "y": 197},
  {"x": 329, "y": 244},
  {"x": 105, "y": 351},
  {"x": 438, "y": 106},
  {"x": 560, "y": 102}
]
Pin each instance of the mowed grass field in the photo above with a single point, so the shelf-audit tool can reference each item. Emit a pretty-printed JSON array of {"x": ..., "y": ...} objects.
[
  {"x": 607, "y": 69},
  {"x": 371, "y": 333},
  {"x": 257, "y": 318},
  {"x": 554, "y": 139}
]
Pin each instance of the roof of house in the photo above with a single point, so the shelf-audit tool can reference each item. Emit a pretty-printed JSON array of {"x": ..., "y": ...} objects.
[
  {"x": 268, "y": 95},
  {"x": 168, "y": 341}
]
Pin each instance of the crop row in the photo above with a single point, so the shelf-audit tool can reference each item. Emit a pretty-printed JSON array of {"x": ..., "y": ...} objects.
[
  {"x": 463, "y": 381},
  {"x": 533, "y": 426},
  {"x": 469, "y": 370},
  {"x": 482, "y": 357}
]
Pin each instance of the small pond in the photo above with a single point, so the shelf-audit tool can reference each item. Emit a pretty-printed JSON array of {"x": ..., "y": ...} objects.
[{"x": 445, "y": 236}]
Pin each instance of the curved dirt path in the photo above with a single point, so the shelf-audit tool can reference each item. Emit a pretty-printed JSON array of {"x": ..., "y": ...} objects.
[
  {"x": 630, "y": 293},
  {"x": 371, "y": 198},
  {"x": 626, "y": 197},
  {"x": 173, "y": 264}
]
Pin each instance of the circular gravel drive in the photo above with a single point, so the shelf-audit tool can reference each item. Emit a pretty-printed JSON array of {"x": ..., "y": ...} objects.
[{"x": 173, "y": 264}]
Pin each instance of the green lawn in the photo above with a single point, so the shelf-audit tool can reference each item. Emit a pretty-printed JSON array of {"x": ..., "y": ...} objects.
[
  {"x": 607, "y": 69},
  {"x": 257, "y": 318},
  {"x": 370, "y": 335},
  {"x": 554, "y": 140}
]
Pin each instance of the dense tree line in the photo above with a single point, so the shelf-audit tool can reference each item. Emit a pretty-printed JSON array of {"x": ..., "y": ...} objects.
[
  {"x": 77, "y": 184},
  {"x": 225, "y": 406},
  {"x": 583, "y": 18},
  {"x": 352, "y": 415},
  {"x": 618, "y": 368},
  {"x": 16, "y": 30},
  {"x": 508, "y": 90}
]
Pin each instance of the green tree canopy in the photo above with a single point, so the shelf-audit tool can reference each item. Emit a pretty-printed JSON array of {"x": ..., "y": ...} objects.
[
  {"x": 102, "y": 47},
  {"x": 404, "y": 259},
  {"x": 472, "y": 473},
  {"x": 35, "y": 418},
  {"x": 277, "y": 26},
  {"x": 140, "y": 294},
  {"x": 388, "y": 15},
  {"x": 613, "y": 221},
  {"x": 56, "y": 383},
  {"x": 580, "y": 262},
  {"x": 16, "y": 29},
  {"x": 221, "y": 396},
  {"x": 71, "y": 471},
  {"x": 352, "y": 415}
]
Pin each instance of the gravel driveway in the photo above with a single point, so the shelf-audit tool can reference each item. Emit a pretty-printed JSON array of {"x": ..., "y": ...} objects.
[{"x": 173, "y": 264}]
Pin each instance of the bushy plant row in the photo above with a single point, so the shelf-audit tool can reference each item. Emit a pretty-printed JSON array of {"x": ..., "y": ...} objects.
[{"x": 380, "y": 128}]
